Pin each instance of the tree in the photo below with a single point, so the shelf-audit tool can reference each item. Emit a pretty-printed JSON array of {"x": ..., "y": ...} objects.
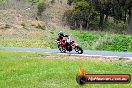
[
  {"x": 122, "y": 9},
  {"x": 33, "y": 2},
  {"x": 82, "y": 15},
  {"x": 52, "y": 1},
  {"x": 69, "y": 2},
  {"x": 41, "y": 7},
  {"x": 103, "y": 7}
]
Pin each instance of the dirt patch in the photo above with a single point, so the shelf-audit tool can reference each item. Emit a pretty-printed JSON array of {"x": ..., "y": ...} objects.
[
  {"x": 15, "y": 19},
  {"x": 89, "y": 58},
  {"x": 61, "y": 6},
  {"x": 12, "y": 31}
]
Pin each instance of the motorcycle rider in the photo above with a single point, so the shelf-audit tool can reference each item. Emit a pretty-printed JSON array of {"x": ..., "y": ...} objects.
[
  {"x": 60, "y": 38},
  {"x": 67, "y": 44}
]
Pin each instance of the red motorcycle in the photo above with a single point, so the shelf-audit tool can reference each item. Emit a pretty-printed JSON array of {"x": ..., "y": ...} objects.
[{"x": 67, "y": 44}]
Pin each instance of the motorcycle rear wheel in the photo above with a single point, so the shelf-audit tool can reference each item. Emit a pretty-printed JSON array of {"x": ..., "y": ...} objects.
[{"x": 62, "y": 49}]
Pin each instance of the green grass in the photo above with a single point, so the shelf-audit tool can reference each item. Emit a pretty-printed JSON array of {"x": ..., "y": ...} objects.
[
  {"x": 35, "y": 70},
  {"x": 2, "y": 1},
  {"x": 87, "y": 40},
  {"x": 117, "y": 43}
]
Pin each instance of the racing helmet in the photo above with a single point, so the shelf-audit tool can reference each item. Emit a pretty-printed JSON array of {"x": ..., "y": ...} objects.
[{"x": 61, "y": 33}]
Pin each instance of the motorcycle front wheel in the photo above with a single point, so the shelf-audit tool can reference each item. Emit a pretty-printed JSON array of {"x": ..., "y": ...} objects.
[{"x": 78, "y": 50}]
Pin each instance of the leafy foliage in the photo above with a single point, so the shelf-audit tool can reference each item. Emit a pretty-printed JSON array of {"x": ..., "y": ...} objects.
[
  {"x": 7, "y": 25},
  {"x": 81, "y": 16},
  {"x": 118, "y": 43},
  {"x": 120, "y": 10},
  {"x": 69, "y": 2},
  {"x": 52, "y": 1},
  {"x": 41, "y": 7}
]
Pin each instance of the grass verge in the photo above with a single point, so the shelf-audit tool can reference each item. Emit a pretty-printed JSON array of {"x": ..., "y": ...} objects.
[{"x": 39, "y": 70}]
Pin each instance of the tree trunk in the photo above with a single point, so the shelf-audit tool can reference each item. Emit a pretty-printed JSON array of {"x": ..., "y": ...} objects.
[
  {"x": 87, "y": 25},
  {"x": 101, "y": 20},
  {"x": 32, "y": 2},
  {"x": 130, "y": 24},
  {"x": 81, "y": 25},
  {"x": 69, "y": 2},
  {"x": 106, "y": 18},
  {"x": 75, "y": 25},
  {"x": 125, "y": 16}
]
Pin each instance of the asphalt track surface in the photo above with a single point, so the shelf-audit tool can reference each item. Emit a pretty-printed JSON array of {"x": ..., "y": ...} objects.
[{"x": 86, "y": 52}]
